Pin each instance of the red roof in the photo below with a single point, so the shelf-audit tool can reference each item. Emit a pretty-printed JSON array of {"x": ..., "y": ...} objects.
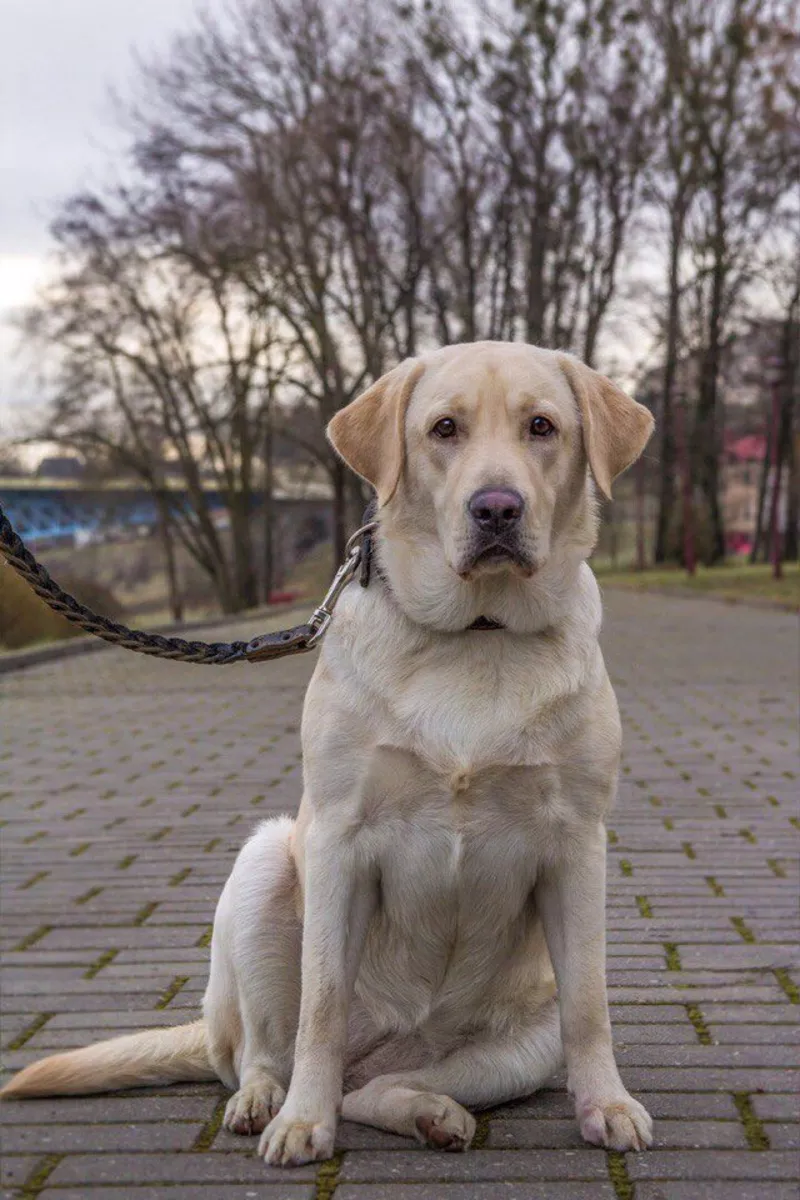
[{"x": 750, "y": 448}]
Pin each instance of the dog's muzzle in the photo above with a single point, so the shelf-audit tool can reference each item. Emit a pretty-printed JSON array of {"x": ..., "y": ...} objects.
[{"x": 495, "y": 517}]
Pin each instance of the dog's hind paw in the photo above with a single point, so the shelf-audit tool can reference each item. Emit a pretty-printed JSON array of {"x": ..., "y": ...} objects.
[{"x": 442, "y": 1124}]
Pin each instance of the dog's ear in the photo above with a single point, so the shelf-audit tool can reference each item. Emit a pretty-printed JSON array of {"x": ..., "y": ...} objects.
[
  {"x": 615, "y": 428},
  {"x": 369, "y": 433}
]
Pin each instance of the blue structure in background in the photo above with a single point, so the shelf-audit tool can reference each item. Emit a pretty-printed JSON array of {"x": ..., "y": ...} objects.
[
  {"x": 51, "y": 513},
  {"x": 56, "y": 513}
]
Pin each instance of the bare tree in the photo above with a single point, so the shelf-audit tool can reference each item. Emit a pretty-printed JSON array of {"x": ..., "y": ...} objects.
[
  {"x": 160, "y": 362},
  {"x": 575, "y": 121},
  {"x": 781, "y": 269},
  {"x": 289, "y": 132},
  {"x": 673, "y": 185},
  {"x": 746, "y": 48}
]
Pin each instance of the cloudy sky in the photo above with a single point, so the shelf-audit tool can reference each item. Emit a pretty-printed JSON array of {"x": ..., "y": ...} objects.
[{"x": 58, "y": 61}]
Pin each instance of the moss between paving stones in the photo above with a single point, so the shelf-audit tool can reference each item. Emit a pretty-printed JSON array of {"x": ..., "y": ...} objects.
[
  {"x": 618, "y": 1174},
  {"x": 328, "y": 1177},
  {"x": 754, "y": 1131}
]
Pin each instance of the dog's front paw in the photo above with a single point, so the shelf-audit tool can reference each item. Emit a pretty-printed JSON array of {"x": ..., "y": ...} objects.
[
  {"x": 618, "y": 1123},
  {"x": 249, "y": 1109},
  {"x": 289, "y": 1141}
]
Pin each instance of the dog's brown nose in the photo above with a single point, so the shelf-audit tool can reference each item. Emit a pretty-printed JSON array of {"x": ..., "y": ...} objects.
[{"x": 496, "y": 510}]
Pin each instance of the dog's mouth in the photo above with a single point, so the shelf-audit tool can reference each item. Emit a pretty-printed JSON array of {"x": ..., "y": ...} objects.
[{"x": 495, "y": 557}]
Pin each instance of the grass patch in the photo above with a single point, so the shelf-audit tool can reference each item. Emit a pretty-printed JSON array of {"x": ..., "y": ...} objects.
[
  {"x": 743, "y": 929},
  {"x": 145, "y": 912},
  {"x": 207, "y": 1135},
  {"x": 29, "y": 1031},
  {"x": 672, "y": 956},
  {"x": 735, "y": 583},
  {"x": 753, "y": 1129},
  {"x": 698, "y": 1021},
  {"x": 328, "y": 1177},
  {"x": 35, "y": 1182},
  {"x": 481, "y": 1131},
  {"x": 31, "y": 939},
  {"x": 105, "y": 958},
  {"x": 34, "y": 879},
  {"x": 171, "y": 992},
  {"x": 618, "y": 1174},
  {"x": 787, "y": 984}
]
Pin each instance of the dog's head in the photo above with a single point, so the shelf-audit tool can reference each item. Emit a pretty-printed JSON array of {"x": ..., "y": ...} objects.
[{"x": 479, "y": 453}]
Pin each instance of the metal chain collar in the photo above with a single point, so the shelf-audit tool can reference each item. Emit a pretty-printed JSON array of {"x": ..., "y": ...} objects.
[{"x": 269, "y": 645}]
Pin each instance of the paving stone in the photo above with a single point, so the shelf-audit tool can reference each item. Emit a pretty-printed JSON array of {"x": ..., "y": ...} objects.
[
  {"x": 497, "y": 1190},
  {"x": 195, "y": 1191},
  {"x": 136, "y": 1169},
  {"x": 16, "y": 1168},
  {"x": 713, "y": 1165},
  {"x": 47, "y": 1138},
  {"x": 114, "y": 1109},
  {"x": 695, "y": 1134},
  {"x": 704, "y": 1190},
  {"x": 783, "y": 1137},
  {"x": 776, "y": 1107},
  {"x": 370, "y": 1167}
]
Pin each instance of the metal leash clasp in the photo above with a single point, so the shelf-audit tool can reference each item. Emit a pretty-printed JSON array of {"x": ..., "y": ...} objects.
[{"x": 322, "y": 616}]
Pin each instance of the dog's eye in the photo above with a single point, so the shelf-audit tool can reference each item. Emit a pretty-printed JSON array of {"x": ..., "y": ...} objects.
[
  {"x": 541, "y": 427},
  {"x": 445, "y": 428}
]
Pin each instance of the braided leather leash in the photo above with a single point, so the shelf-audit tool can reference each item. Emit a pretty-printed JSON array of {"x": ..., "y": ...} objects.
[{"x": 296, "y": 640}]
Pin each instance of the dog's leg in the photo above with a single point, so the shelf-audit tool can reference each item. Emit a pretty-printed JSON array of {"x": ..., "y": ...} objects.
[
  {"x": 339, "y": 902},
  {"x": 253, "y": 996},
  {"x": 427, "y": 1103},
  {"x": 571, "y": 900}
]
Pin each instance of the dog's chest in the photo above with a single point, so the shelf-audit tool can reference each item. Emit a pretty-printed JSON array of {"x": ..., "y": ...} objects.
[
  {"x": 463, "y": 718},
  {"x": 457, "y": 859}
]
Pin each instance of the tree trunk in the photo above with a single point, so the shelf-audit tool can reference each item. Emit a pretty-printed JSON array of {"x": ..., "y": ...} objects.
[
  {"x": 774, "y": 538},
  {"x": 666, "y": 482},
  {"x": 534, "y": 283},
  {"x": 268, "y": 509},
  {"x": 339, "y": 481},
  {"x": 790, "y": 546},
  {"x": 170, "y": 565},
  {"x": 641, "y": 555},
  {"x": 758, "y": 533},
  {"x": 687, "y": 490},
  {"x": 245, "y": 584},
  {"x": 706, "y": 419}
]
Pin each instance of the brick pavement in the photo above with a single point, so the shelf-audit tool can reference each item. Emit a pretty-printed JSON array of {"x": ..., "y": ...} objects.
[{"x": 128, "y": 786}]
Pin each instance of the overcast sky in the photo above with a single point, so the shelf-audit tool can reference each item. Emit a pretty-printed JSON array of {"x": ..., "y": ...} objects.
[{"x": 58, "y": 61}]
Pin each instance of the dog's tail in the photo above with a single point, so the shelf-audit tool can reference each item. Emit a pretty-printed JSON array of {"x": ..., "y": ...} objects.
[{"x": 156, "y": 1056}]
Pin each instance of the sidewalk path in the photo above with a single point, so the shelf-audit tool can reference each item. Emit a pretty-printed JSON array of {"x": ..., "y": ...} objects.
[{"x": 128, "y": 785}]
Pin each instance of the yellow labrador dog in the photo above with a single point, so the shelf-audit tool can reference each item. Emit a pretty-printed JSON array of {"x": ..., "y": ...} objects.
[{"x": 394, "y": 953}]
